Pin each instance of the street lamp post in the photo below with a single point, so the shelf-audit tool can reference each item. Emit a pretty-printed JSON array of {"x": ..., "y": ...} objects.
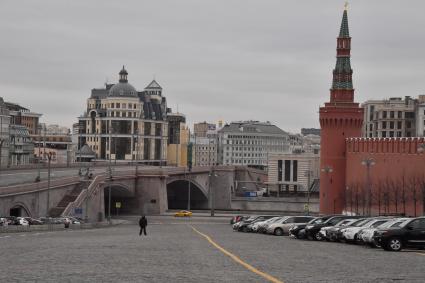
[
  {"x": 211, "y": 192},
  {"x": 421, "y": 149},
  {"x": 368, "y": 162},
  {"x": 49, "y": 157},
  {"x": 328, "y": 170}
]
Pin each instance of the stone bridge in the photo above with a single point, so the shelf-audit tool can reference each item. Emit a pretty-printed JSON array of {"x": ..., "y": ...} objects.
[{"x": 150, "y": 191}]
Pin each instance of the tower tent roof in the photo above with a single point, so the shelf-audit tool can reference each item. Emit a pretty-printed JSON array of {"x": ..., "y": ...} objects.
[{"x": 343, "y": 31}]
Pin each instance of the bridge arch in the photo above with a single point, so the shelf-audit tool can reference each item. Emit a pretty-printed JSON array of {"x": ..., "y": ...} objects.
[
  {"x": 123, "y": 199},
  {"x": 178, "y": 195},
  {"x": 19, "y": 209}
]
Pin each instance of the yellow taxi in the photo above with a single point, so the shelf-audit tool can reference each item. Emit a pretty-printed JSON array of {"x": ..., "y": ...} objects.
[{"x": 183, "y": 213}]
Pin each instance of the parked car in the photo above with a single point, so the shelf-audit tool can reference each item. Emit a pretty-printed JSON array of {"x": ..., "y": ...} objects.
[
  {"x": 367, "y": 234},
  {"x": 22, "y": 221},
  {"x": 263, "y": 227},
  {"x": 312, "y": 231},
  {"x": 243, "y": 227},
  {"x": 33, "y": 221},
  {"x": 411, "y": 234},
  {"x": 351, "y": 234},
  {"x": 329, "y": 233},
  {"x": 256, "y": 226},
  {"x": 237, "y": 218},
  {"x": 298, "y": 231},
  {"x": 282, "y": 227}
]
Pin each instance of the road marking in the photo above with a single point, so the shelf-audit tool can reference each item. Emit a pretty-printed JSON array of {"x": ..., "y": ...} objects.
[
  {"x": 237, "y": 259},
  {"x": 423, "y": 254},
  {"x": 4, "y": 237}
]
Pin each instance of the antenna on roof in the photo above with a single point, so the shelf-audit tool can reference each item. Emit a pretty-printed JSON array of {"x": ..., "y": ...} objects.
[
  {"x": 177, "y": 108},
  {"x": 154, "y": 77},
  {"x": 106, "y": 81}
]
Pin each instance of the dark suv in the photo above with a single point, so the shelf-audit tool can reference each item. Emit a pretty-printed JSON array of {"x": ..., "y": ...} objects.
[{"x": 412, "y": 234}]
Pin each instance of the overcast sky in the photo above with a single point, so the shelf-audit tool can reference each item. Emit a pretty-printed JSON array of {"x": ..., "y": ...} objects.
[{"x": 232, "y": 60}]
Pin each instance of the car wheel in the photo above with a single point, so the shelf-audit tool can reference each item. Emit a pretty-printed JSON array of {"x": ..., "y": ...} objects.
[
  {"x": 278, "y": 232},
  {"x": 318, "y": 237},
  {"x": 245, "y": 229},
  {"x": 394, "y": 244}
]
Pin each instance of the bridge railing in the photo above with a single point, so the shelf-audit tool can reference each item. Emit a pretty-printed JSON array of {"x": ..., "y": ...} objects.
[
  {"x": 39, "y": 186},
  {"x": 83, "y": 195}
]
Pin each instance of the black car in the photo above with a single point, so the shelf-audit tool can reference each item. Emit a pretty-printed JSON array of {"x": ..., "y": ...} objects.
[
  {"x": 297, "y": 231},
  {"x": 312, "y": 230},
  {"x": 412, "y": 235},
  {"x": 243, "y": 227}
]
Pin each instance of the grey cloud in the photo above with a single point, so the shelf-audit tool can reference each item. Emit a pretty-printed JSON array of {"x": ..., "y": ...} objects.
[{"x": 231, "y": 60}]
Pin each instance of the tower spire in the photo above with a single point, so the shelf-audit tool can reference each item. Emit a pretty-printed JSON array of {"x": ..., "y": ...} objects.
[{"x": 342, "y": 85}]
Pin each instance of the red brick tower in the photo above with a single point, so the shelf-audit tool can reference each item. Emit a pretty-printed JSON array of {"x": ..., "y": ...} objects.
[{"x": 340, "y": 118}]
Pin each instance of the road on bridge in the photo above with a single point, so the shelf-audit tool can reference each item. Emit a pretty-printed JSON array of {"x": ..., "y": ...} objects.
[
  {"x": 22, "y": 176},
  {"x": 178, "y": 250}
]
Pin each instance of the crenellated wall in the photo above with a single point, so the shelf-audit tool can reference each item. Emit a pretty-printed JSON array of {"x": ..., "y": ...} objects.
[{"x": 396, "y": 178}]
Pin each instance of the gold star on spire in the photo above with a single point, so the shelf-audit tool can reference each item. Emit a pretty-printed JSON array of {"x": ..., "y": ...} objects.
[{"x": 346, "y": 5}]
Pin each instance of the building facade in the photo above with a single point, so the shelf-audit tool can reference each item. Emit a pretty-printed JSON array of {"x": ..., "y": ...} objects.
[
  {"x": 124, "y": 124},
  {"x": 204, "y": 144},
  {"x": 4, "y": 134},
  {"x": 55, "y": 140},
  {"x": 249, "y": 143},
  {"x": 292, "y": 172},
  {"x": 178, "y": 140},
  {"x": 340, "y": 118},
  {"x": 394, "y": 117},
  {"x": 420, "y": 116}
]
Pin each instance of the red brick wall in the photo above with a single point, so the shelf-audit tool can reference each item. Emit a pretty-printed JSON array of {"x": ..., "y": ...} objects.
[{"x": 397, "y": 178}]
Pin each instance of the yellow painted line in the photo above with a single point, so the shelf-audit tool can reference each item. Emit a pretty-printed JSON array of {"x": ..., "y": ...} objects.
[
  {"x": 420, "y": 254},
  {"x": 237, "y": 259}
]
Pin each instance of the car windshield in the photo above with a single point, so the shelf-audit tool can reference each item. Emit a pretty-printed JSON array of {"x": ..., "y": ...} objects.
[
  {"x": 315, "y": 221},
  {"x": 361, "y": 223},
  {"x": 403, "y": 223},
  {"x": 377, "y": 223}
]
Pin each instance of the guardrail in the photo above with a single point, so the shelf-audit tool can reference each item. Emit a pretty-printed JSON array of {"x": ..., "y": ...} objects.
[
  {"x": 53, "y": 227},
  {"x": 40, "y": 186}
]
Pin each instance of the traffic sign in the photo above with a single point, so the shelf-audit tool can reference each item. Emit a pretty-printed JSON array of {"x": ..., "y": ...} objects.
[{"x": 118, "y": 205}]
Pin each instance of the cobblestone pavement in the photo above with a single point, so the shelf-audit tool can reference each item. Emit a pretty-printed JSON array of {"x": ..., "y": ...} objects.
[{"x": 174, "y": 252}]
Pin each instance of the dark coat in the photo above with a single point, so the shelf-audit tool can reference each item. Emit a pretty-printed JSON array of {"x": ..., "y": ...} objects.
[{"x": 143, "y": 222}]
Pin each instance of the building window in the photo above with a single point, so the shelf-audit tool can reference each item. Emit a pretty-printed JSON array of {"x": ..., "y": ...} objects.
[
  {"x": 391, "y": 125},
  {"x": 118, "y": 105},
  {"x": 384, "y": 114},
  {"x": 391, "y": 114},
  {"x": 384, "y": 125},
  {"x": 384, "y": 134},
  {"x": 399, "y": 125},
  {"x": 287, "y": 170},
  {"x": 295, "y": 170},
  {"x": 408, "y": 124},
  {"x": 399, "y": 114}
]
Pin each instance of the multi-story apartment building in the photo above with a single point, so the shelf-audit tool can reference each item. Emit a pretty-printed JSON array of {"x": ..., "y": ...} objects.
[
  {"x": 4, "y": 133},
  {"x": 394, "y": 117},
  {"x": 249, "y": 143},
  {"x": 293, "y": 172},
  {"x": 22, "y": 116},
  {"x": 178, "y": 139},
  {"x": 201, "y": 129},
  {"x": 54, "y": 140},
  {"x": 122, "y": 123}
]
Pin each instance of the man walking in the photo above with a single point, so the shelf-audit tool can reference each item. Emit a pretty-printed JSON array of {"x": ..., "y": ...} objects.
[{"x": 143, "y": 222}]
